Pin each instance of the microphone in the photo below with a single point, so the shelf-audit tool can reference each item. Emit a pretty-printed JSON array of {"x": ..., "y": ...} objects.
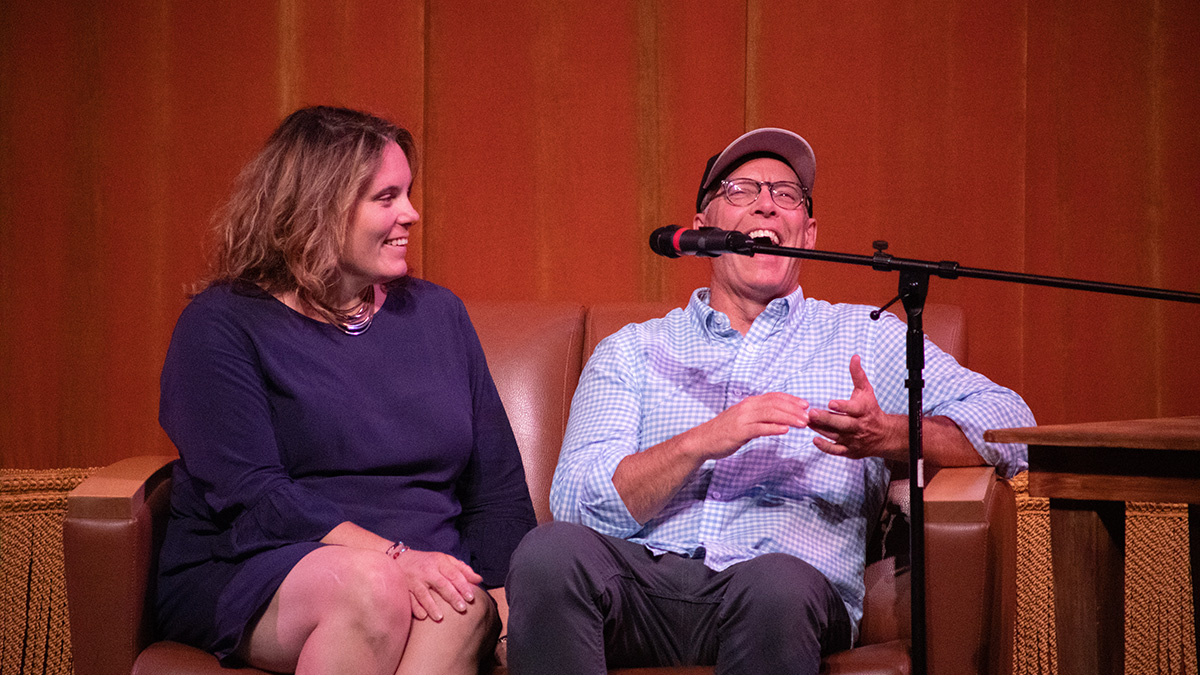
[{"x": 673, "y": 241}]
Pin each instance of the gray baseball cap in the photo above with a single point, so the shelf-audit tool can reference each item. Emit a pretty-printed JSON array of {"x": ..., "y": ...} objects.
[{"x": 782, "y": 144}]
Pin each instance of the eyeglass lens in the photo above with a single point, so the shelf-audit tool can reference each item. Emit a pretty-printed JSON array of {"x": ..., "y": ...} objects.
[{"x": 743, "y": 192}]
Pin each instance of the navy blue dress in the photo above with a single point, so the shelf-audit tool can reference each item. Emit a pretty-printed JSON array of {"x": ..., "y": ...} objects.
[{"x": 287, "y": 427}]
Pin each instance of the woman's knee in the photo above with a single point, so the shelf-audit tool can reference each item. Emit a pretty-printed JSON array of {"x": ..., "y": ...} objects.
[
  {"x": 335, "y": 598},
  {"x": 469, "y": 632},
  {"x": 365, "y": 590},
  {"x": 479, "y": 618}
]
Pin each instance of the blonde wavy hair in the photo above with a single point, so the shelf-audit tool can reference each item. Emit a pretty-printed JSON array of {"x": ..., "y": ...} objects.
[{"x": 284, "y": 227}]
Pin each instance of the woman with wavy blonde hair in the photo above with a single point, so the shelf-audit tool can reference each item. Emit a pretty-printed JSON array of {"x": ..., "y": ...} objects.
[{"x": 348, "y": 483}]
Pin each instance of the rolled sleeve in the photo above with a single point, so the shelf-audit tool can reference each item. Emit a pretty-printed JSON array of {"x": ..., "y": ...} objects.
[
  {"x": 996, "y": 409},
  {"x": 976, "y": 404},
  {"x": 601, "y": 431},
  {"x": 600, "y": 505},
  {"x": 969, "y": 399}
]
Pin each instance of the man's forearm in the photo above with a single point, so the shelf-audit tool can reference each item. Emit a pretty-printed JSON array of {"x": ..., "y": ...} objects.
[
  {"x": 942, "y": 443},
  {"x": 649, "y": 479}
]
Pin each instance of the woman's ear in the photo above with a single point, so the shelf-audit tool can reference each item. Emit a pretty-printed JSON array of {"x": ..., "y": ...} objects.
[{"x": 698, "y": 221}]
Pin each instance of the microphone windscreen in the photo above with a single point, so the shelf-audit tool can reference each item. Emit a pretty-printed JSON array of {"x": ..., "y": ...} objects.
[{"x": 664, "y": 241}]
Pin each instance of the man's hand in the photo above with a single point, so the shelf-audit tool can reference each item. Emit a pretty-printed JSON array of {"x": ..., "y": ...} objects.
[
  {"x": 770, "y": 414},
  {"x": 647, "y": 480},
  {"x": 858, "y": 427},
  {"x": 429, "y": 572}
]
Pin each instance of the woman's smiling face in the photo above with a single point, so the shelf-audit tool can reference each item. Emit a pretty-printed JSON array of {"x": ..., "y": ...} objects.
[{"x": 377, "y": 239}]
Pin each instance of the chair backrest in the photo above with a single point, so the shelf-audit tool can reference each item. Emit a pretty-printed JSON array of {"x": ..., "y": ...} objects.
[
  {"x": 604, "y": 320},
  {"x": 946, "y": 325},
  {"x": 534, "y": 354}
]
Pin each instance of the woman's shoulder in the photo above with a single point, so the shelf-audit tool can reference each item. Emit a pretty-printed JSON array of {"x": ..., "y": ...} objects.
[
  {"x": 227, "y": 306},
  {"x": 411, "y": 294},
  {"x": 228, "y": 298}
]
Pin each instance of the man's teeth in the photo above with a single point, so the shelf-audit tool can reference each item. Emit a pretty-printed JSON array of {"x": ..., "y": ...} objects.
[
  {"x": 398, "y": 241},
  {"x": 765, "y": 234}
]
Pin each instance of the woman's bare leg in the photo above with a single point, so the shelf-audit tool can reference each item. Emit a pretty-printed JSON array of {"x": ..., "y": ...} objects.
[
  {"x": 340, "y": 610},
  {"x": 456, "y": 644}
]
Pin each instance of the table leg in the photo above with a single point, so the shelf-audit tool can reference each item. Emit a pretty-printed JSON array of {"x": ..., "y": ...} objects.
[{"x": 1088, "y": 554}]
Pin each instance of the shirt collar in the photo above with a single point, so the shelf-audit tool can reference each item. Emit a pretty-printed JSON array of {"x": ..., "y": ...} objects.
[{"x": 780, "y": 311}]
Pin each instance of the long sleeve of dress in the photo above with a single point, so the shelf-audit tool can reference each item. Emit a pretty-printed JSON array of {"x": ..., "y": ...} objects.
[
  {"x": 214, "y": 407},
  {"x": 496, "y": 509}
]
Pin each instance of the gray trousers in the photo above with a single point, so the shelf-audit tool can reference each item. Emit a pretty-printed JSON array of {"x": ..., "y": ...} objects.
[{"x": 582, "y": 602}]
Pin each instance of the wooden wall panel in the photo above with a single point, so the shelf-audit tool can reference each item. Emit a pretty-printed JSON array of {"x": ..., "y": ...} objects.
[
  {"x": 558, "y": 142},
  {"x": 700, "y": 91},
  {"x": 1099, "y": 163},
  {"x": 124, "y": 128},
  {"x": 1052, "y": 139},
  {"x": 42, "y": 73},
  {"x": 132, "y": 225},
  {"x": 919, "y": 144},
  {"x": 530, "y": 145},
  {"x": 1177, "y": 107}
]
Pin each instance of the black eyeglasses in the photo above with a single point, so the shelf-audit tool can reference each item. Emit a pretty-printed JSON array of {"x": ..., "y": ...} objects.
[{"x": 743, "y": 191}]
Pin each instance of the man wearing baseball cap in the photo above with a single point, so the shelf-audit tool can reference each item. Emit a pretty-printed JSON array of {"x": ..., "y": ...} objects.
[{"x": 723, "y": 465}]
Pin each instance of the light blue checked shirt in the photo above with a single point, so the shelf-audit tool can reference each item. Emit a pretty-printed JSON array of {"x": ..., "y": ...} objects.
[{"x": 651, "y": 381}]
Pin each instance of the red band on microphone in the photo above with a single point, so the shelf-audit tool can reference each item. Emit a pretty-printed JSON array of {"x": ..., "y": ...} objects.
[{"x": 675, "y": 239}]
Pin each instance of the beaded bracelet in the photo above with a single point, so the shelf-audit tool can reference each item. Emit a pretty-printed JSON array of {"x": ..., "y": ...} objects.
[{"x": 396, "y": 549}]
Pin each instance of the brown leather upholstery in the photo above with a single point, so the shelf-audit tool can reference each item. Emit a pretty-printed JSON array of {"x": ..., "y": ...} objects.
[
  {"x": 110, "y": 536},
  {"x": 604, "y": 320},
  {"x": 163, "y": 658},
  {"x": 535, "y": 351}
]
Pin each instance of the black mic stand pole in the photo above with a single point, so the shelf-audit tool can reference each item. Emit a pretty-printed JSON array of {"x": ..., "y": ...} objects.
[{"x": 914, "y": 287}]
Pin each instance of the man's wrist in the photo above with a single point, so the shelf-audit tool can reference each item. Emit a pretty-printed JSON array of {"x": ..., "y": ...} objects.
[
  {"x": 693, "y": 446},
  {"x": 896, "y": 447}
]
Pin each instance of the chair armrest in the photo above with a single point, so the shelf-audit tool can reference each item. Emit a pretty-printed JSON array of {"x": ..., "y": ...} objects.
[
  {"x": 970, "y": 563},
  {"x": 118, "y": 491},
  {"x": 114, "y": 524},
  {"x": 959, "y": 494}
]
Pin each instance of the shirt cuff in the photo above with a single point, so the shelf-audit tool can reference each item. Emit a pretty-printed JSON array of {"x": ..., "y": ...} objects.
[
  {"x": 600, "y": 505},
  {"x": 1008, "y": 458}
]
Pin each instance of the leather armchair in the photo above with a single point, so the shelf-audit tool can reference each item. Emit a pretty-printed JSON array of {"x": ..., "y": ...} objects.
[{"x": 115, "y": 520}]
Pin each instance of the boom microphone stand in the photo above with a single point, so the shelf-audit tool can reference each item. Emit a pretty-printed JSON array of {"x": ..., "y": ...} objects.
[{"x": 914, "y": 286}]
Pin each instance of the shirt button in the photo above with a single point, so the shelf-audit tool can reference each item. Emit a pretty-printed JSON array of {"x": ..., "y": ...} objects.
[{"x": 716, "y": 495}]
